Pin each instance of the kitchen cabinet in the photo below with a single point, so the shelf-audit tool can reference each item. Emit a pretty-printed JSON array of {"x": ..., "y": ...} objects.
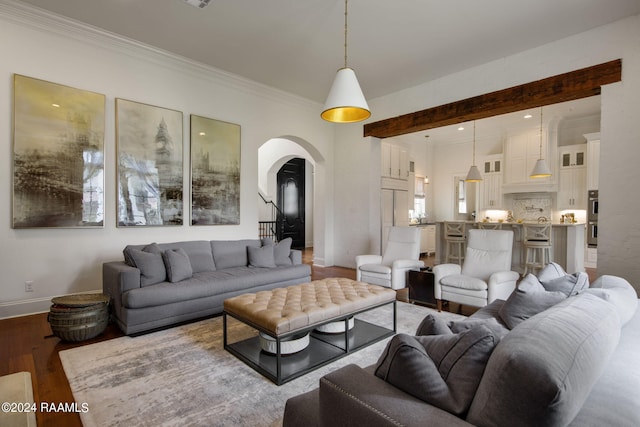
[
  {"x": 573, "y": 156},
  {"x": 428, "y": 239},
  {"x": 521, "y": 152},
  {"x": 593, "y": 160},
  {"x": 395, "y": 161},
  {"x": 572, "y": 177},
  {"x": 491, "y": 185}
]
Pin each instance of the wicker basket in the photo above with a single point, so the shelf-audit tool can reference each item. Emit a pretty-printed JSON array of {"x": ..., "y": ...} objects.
[{"x": 79, "y": 317}]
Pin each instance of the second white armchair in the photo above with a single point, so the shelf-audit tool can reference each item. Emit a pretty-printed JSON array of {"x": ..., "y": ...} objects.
[
  {"x": 401, "y": 254},
  {"x": 485, "y": 274}
]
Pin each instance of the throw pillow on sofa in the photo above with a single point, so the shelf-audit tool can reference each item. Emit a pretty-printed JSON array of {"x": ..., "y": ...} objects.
[
  {"x": 261, "y": 257},
  {"x": 527, "y": 300},
  {"x": 432, "y": 325},
  {"x": 443, "y": 370},
  {"x": 149, "y": 262},
  {"x": 177, "y": 264},
  {"x": 281, "y": 252},
  {"x": 554, "y": 278}
]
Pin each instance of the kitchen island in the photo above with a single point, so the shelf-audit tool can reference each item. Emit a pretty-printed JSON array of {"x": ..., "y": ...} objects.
[{"x": 567, "y": 240}]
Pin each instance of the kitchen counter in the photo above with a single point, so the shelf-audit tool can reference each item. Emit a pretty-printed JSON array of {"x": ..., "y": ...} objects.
[{"x": 567, "y": 240}]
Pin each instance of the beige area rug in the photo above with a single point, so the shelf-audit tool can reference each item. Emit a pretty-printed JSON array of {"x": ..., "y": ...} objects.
[{"x": 183, "y": 377}]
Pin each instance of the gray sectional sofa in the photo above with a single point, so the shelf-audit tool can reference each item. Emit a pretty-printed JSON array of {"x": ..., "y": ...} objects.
[
  {"x": 558, "y": 360},
  {"x": 158, "y": 285}
]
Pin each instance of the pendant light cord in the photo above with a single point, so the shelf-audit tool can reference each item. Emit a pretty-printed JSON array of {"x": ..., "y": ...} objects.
[
  {"x": 474, "y": 143},
  {"x": 540, "y": 133},
  {"x": 345, "y": 33}
]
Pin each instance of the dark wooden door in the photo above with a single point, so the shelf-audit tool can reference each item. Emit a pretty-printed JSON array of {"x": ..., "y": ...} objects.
[{"x": 291, "y": 200}]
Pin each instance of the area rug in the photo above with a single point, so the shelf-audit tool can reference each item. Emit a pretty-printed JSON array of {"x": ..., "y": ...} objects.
[{"x": 183, "y": 377}]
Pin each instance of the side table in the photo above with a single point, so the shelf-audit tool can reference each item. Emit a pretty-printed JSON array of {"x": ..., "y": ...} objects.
[
  {"x": 421, "y": 286},
  {"x": 79, "y": 317}
]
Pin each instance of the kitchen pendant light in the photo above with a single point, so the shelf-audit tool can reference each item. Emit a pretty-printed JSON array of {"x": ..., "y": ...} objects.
[
  {"x": 345, "y": 102},
  {"x": 474, "y": 173},
  {"x": 540, "y": 170}
]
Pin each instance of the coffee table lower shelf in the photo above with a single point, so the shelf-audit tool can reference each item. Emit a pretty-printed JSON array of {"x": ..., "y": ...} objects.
[{"x": 323, "y": 348}]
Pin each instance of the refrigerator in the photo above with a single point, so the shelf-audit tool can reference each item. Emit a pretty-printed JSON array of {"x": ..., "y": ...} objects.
[{"x": 395, "y": 211}]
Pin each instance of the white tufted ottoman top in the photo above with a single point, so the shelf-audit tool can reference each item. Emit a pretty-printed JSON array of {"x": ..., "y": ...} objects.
[{"x": 288, "y": 309}]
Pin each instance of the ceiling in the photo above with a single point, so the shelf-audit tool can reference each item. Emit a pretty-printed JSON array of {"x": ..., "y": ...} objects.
[{"x": 297, "y": 46}]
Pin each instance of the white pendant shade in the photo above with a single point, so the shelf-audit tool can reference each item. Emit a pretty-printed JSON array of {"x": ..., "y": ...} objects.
[
  {"x": 473, "y": 175},
  {"x": 540, "y": 170},
  {"x": 345, "y": 102}
]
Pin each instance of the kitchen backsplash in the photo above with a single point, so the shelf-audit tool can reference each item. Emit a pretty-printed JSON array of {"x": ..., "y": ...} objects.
[{"x": 530, "y": 209}]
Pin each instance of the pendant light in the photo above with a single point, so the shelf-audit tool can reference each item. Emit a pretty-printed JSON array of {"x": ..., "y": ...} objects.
[
  {"x": 474, "y": 173},
  {"x": 540, "y": 170},
  {"x": 345, "y": 102}
]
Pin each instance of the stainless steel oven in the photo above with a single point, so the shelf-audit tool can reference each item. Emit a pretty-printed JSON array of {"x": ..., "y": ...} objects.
[
  {"x": 592, "y": 211},
  {"x": 592, "y": 219},
  {"x": 592, "y": 234}
]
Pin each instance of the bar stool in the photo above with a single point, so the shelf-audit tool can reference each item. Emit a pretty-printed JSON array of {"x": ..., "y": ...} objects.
[
  {"x": 455, "y": 236},
  {"x": 537, "y": 244}
]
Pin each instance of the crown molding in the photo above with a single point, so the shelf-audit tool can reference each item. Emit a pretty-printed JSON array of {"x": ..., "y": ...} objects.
[{"x": 45, "y": 21}]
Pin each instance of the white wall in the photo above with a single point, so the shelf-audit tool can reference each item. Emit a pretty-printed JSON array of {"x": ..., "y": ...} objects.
[
  {"x": 62, "y": 261},
  {"x": 618, "y": 247}
]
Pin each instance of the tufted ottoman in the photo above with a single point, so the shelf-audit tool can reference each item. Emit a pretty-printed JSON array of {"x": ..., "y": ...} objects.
[{"x": 294, "y": 312}]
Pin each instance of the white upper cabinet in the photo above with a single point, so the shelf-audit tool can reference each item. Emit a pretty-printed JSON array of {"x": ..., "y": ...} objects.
[
  {"x": 522, "y": 151},
  {"x": 491, "y": 185},
  {"x": 395, "y": 161},
  {"x": 572, "y": 177},
  {"x": 593, "y": 160}
]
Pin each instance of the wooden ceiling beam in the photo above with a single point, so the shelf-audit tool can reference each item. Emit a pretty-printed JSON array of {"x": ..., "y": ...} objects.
[{"x": 552, "y": 90}]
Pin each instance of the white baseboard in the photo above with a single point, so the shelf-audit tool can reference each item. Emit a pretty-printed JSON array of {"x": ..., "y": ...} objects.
[{"x": 30, "y": 306}]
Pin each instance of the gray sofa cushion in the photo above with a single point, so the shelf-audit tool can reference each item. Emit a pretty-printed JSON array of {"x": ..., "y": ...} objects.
[
  {"x": 618, "y": 292},
  {"x": 199, "y": 252},
  {"x": 569, "y": 284},
  {"x": 261, "y": 257},
  {"x": 281, "y": 252},
  {"x": 209, "y": 283},
  {"x": 542, "y": 371},
  {"x": 231, "y": 253},
  {"x": 529, "y": 299},
  {"x": 551, "y": 271},
  {"x": 432, "y": 325},
  {"x": 443, "y": 370},
  {"x": 149, "y": 262},
  {"x": 177, "y": 263}
]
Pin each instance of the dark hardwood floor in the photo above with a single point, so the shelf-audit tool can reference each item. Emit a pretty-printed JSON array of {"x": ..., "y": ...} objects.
[{"x": 27, "y": 344}]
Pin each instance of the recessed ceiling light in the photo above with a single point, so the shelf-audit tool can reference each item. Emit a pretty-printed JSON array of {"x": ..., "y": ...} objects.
[
  {"x": 461, "y": 128},
  {"x": 527, "y": 116},
  {"x": 55, "y": 105},
  {"x": 202, "y": 134}
]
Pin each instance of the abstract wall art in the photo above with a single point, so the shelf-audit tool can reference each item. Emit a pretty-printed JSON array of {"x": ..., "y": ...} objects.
[
  {"x": 150, "y": 167},
  {"x": 58, "y": 155},
  {"x": 215, "y": 172}
]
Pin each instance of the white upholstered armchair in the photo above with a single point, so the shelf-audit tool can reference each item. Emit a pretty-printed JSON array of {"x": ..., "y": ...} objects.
[
  {"x": 485, "y": 274},
  {"x": 401, "y": 254}
]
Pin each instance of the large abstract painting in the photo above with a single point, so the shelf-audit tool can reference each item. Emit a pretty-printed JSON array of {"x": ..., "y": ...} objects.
[
  {"x": 215, "y": 172},
  {"x": 58, "y": 155},
  {"x": 150, "y": 167}
]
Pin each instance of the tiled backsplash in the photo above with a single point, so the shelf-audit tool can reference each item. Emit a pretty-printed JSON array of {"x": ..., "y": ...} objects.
[{"x": 530, "y": 209}]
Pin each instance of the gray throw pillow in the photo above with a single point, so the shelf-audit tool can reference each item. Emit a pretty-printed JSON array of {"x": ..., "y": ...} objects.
[
  {"x": 570, "y": 284},
  {"x": 150, "y": 264},
  {"x": 432, "y": 325},
  {"x": 529, "y": 299},
  {"x": 464, "y": 325},
  {"x": 177, "y": 264},
  {"x": 261, "y": 257},
  {"x": 551, "y": 271},
  {"x": 443, "y": 370},
  {"x": 281, "y": 252}
]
